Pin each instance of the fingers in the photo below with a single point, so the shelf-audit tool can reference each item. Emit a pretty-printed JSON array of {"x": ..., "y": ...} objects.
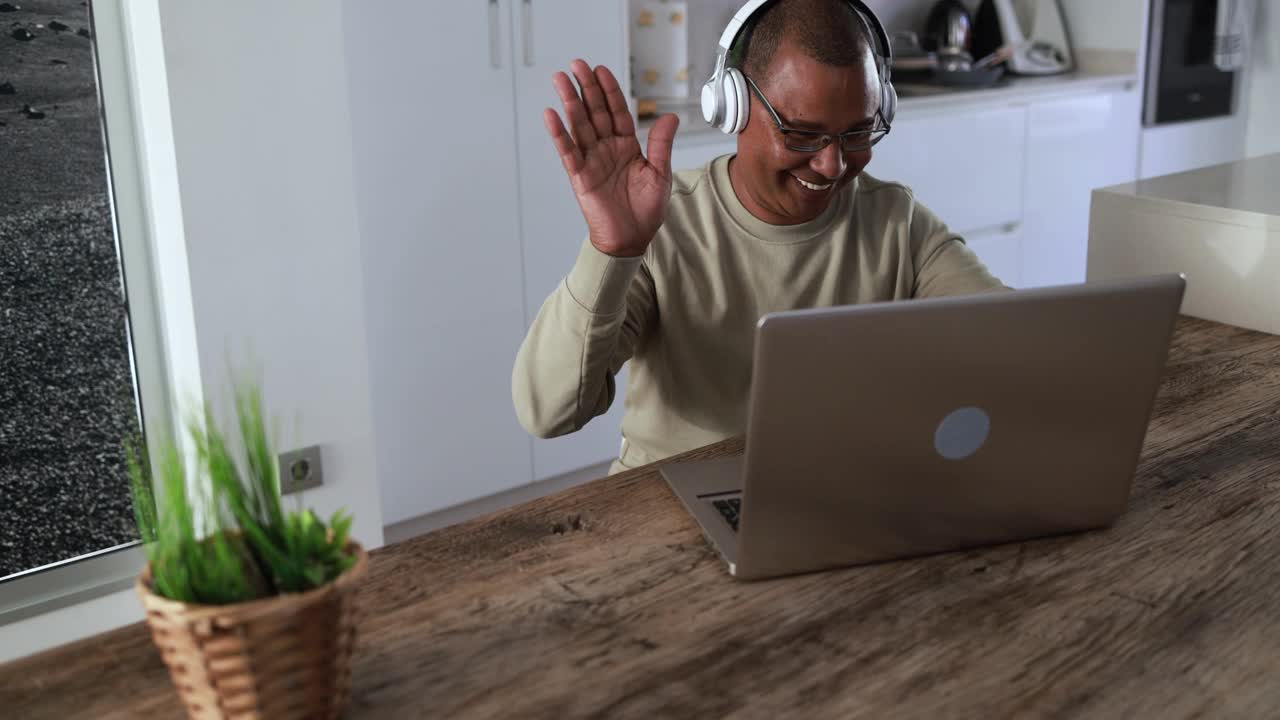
[
  {"x": 584, "y": 134},
  {"x": 623, "y": 123},
  {"x": 569, "y": 154},
  {"x": 593, "y": 97},
  {"x": 661, "y": 135}
]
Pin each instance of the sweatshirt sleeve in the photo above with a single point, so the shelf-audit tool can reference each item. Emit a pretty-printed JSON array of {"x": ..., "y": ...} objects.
[
  {"x": 584, "y": 332},
  {"x": 944, "y": 263}
]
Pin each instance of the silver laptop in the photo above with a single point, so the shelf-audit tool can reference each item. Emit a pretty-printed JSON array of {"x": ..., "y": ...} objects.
[{"x": 896, "y": 429}]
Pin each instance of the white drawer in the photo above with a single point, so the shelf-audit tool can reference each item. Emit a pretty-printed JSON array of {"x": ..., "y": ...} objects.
[
  {"x": 1000, "y": 249},
  {"x": 967, "y": 167}
]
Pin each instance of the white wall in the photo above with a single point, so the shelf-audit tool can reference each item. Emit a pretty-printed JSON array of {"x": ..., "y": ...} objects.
[
  {"x": 1263, "y": 102},
  {"x": 898, "y": 15},
  {"x": 263, "y": 137},
  {"x": 1105, "y": 24},
  {"x": 69, "y": 624}
]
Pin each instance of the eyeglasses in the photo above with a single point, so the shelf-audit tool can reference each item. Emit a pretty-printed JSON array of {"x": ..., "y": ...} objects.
[{"x": 812, "y": 141}]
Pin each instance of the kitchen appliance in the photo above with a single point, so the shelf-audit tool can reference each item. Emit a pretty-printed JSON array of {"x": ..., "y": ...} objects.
[
  {"x": 948, "y": 28},
  {"x": 1195, "y": 53},
  {"x": 921, "y": 73},
  {"x": 1033, "y": 30}
]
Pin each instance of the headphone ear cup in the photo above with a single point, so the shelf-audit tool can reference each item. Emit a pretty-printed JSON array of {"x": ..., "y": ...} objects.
[
  {"x": 736, "y": 92},
  {"x": 733, "y": 108},
  {"x": 889, "y": 102},
  {"x": 730, "y": 114},
  {"x": 729, "y": 92}
]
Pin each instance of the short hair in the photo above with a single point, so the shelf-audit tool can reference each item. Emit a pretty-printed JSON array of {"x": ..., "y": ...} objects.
[{"x": 829, "y": 31}]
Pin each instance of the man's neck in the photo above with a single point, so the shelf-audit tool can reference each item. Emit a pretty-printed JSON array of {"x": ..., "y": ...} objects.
[{"x": 741, "y": 189}]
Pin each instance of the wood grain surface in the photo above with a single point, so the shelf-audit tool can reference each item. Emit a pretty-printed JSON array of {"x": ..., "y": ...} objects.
[{"x": 604, "y": 601}]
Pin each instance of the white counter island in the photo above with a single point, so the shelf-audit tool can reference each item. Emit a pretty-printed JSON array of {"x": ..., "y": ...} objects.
[{"x": 1219, "y": 225}]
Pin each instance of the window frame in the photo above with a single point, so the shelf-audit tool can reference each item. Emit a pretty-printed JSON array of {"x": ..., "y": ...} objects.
[{"x": 117, "y": 35}]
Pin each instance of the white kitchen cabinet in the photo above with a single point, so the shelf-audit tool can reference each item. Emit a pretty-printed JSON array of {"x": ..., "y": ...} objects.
[
  {"x": 1014, "y": 179},
  {"x": 966, "y": 166},
  {"x": 434, "y": 125},
  {"x": 1183, "y": 146},
  {"x": 1074, "y": 145},
  {"x": 552, "y": 227},
  {"x": 1000, "y": 249},
  {"x": 687, "y": 156},
  {"x": 999, "y": 245}
]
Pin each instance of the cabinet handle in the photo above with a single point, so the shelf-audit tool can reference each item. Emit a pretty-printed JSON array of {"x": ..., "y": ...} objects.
[
  {"x": 526, "y": 23},
  {"x": 495, "y": 45}
]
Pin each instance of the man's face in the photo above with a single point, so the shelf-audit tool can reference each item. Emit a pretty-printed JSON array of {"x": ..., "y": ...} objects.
[{"x": 786, "y": 187}]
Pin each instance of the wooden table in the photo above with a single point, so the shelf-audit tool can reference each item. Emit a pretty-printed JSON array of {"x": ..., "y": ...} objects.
[{"x": 605, "y": 601}]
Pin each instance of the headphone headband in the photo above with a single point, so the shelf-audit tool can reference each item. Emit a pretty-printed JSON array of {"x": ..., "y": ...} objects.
[{"x": 744, "y": 14}]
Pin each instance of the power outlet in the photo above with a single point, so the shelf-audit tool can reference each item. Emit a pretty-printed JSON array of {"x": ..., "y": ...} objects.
[{"x": 301, "y": 470}]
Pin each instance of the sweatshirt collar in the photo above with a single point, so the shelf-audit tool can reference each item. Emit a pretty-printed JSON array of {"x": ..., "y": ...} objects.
[{"x": 766, "y": 232}]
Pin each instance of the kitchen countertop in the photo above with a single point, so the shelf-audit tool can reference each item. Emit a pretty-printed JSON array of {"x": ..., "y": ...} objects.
[
  {"x": 1242, "y": 191},
  {"x": 605, "y": 601},
  {"x": 1103, "y": 74},
  {"x": 1218, "y": 225}
]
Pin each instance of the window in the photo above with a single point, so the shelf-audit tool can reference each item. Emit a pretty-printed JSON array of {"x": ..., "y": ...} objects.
[{"x": 81, "y": 368}]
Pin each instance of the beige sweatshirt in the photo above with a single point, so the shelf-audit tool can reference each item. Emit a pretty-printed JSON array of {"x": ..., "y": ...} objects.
[{"x": 685, "y": 313}]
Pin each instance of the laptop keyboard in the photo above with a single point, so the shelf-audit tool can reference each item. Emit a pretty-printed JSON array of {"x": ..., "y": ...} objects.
[{"x": 729, "y": 509}]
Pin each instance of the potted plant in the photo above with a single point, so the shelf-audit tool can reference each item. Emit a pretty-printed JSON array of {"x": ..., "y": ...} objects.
[{"x": 252, "y": 608}]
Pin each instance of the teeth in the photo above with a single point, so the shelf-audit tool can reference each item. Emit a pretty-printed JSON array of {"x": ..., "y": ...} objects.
[{"x": 811, "y": 186}]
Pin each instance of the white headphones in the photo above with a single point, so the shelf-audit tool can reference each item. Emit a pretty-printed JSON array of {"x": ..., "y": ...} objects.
[{"x": 725, "y": 102}]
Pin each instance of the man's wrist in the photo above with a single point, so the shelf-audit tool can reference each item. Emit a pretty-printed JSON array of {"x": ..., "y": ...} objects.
[
  {"x": 619, "y": 249},
  {"x": 599, "y": 281}
]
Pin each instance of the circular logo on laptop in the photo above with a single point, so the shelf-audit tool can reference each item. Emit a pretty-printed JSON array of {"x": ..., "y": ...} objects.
[{"x": 961, "y": 433}]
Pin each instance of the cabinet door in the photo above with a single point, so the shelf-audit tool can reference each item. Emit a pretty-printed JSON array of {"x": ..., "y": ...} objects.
[
  {"x": 690, "y": 155},
  {"x": 1183, "y": 146},
  {"x": 548, "y": 35},
  {"x": 435, "y": 157},
  {"x": 1074, "y": 145},
  {"x": 1000, "y": 249},
  {"x": 966, "y": 166}
]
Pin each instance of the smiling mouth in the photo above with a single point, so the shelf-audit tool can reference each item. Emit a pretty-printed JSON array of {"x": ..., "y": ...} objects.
[{"x": 812, "y": 186}]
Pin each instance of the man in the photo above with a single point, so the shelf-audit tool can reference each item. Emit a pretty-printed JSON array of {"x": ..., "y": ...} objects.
[{"x": 677, "y": 270}]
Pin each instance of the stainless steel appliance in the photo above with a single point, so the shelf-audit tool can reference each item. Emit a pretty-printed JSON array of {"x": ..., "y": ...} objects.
[
  {"x": 948, "y": 28},
  {"x": 1032, "y": 32},
  {"x": 1194, "y": 54}
]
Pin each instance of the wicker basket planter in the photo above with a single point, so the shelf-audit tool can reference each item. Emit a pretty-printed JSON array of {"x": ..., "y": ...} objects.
[{"x": 281, "y": 657}]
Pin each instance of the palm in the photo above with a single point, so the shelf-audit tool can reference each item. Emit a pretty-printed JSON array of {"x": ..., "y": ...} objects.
[{"x": 622, "y": 195}]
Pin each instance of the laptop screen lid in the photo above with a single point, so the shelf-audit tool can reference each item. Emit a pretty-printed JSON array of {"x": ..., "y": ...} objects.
[{"x": 894, "y": 429}]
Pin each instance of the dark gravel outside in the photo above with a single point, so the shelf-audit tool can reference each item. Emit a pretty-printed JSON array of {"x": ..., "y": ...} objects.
[{"x": 66, "y": 386}]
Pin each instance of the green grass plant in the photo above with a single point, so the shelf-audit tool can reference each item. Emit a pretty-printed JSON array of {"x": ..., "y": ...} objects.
[{"x": 217, "y": 533}]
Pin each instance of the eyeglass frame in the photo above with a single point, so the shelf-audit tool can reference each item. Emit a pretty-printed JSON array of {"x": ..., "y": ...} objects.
[{"x": 824, "y": 138}]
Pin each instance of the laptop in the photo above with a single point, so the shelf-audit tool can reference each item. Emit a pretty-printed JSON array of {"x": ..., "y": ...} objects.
[{"x": 897, "y": 429}]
